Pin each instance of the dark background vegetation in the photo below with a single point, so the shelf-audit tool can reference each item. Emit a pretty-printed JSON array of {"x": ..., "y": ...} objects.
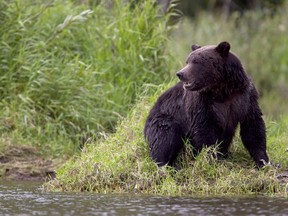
[{"x": 191, "y": 8}]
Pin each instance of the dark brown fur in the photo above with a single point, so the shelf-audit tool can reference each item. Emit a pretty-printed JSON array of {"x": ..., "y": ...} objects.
[{"x": 213, "y": 97}]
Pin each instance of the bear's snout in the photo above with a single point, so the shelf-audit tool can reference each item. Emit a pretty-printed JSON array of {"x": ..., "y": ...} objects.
[
  {"x": 180, "y": 75},
  {"x": 183, "y": 74}
]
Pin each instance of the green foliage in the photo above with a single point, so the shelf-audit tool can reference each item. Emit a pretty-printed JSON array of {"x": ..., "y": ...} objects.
[
  {"x": 121, "y": 163},
  {"x": 68, "y": 72}
]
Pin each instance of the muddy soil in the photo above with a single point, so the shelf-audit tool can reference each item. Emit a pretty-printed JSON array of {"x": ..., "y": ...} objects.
[{"x": 25, "y": 163}]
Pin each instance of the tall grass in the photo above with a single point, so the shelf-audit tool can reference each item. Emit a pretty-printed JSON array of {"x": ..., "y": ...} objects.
[{"x": 69, "y": 71}]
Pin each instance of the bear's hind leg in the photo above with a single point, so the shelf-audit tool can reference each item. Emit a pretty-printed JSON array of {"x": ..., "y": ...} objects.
[{"x": 164, "y": 136}]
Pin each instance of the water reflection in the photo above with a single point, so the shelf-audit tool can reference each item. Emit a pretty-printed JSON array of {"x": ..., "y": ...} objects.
[{"x": 27, "y": 199}]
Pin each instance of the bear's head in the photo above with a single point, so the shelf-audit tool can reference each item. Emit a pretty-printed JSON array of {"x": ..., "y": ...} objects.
[{"x": 212, "y": 67}]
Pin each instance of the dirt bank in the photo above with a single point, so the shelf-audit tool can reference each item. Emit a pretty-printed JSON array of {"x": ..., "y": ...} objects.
[{"x": 24, "y": 162}]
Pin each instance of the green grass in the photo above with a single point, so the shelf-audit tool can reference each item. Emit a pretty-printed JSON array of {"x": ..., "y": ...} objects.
[
  {"x": 121, "y": 162},
  {"x": 69, "y": 71}
]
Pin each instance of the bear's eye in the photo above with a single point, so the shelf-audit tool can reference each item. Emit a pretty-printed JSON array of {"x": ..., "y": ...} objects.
[{"x": 195, "y": 61}]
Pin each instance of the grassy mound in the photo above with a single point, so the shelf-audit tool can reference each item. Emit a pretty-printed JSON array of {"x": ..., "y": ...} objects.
[{"x": 120, "y": 162}]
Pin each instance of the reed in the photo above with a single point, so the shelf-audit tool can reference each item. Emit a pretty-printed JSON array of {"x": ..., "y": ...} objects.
[{"x": 69, "y": 71}]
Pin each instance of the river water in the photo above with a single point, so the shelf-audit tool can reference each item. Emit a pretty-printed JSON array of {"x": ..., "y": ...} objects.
[{"x": 20, "y": 198}]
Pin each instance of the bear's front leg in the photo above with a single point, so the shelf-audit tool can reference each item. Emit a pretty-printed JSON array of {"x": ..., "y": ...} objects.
[
  {"x": 204, "y": 134},
  {"x": 165, "y": 137},
  {"x": 253, "y": 135}
]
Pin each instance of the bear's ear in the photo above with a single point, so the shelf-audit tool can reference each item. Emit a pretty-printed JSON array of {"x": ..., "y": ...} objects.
[
  {"x": 195, "y": 47},
  {"x": 223, "y": 48}
]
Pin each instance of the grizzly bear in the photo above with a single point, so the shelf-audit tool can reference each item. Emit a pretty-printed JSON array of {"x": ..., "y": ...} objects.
[{"x": 213, "y": 96}]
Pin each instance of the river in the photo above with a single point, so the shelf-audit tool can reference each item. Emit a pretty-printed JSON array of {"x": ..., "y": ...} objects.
[{"x": 26, "y": 198}]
